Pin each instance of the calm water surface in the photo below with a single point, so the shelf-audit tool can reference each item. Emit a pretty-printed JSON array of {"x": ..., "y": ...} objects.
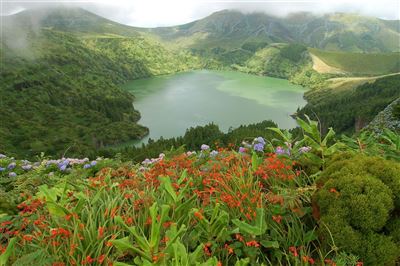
[{"x": 171, "y": 104}]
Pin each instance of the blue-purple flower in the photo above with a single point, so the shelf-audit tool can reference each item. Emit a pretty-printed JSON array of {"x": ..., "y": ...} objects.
[
  {"x": 258, "y": 147},
  {"x": 280, "y": 151},
  {"x": 304, "y": 149},
  {"x": 12, "y": 174},
  {"x": 213, "y": 153},
  {"x": 2, "y": 169},
  {"x": 204, "y": 147},
  {"x": 62, "y": 167},
  {"x": 93, "y": 163},
  {"x": 11, "y": 166},
  {"x": 86, "y": 166},
  {"x": 260, "y": 140},
  {"x": 27, "y": 167},
  {"x": 147, "y": 161}
]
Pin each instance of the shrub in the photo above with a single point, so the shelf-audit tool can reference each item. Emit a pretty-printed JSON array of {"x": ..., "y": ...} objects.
[{"x": 356, "y": 200}]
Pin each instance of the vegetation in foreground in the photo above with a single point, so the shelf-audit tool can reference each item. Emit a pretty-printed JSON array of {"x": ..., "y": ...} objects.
[{"x": 284, "y": 201}]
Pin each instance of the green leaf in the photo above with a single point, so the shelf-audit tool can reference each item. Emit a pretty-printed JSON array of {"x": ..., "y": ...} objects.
[
  {"x": 255, "y": 161},
  {"x": 123, "y": 244},
  {"x": 310, "y": 236},
  {"x": 4, "y": 257},
  {"x": 331, "y": 133},
  {"x": 166, "y": 182},
  {"x": 141, "y": 241},
  {"x": 121, "y": 264},
  {"x": 242, "y": 262},
  {"x": 269, "y": 244}
]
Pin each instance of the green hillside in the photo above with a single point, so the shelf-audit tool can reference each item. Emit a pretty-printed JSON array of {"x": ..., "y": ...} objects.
[
  {"x": 60, "y": 87},
  {"x": 337, "y": 32},
  {"x": 360, "y": 63},
  {"x": 349, "y": 110},
  {"x": 63, "y": 65}
]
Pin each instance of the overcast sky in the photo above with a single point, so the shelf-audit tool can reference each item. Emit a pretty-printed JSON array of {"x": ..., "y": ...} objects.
[{"x": 152, "y": 13}]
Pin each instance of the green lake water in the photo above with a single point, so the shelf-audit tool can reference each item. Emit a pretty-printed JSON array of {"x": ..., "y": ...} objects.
[{"x": 170, "y": 104}]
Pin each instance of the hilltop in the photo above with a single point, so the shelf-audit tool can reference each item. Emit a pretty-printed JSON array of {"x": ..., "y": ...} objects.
[{"x": 336, "y": 32}]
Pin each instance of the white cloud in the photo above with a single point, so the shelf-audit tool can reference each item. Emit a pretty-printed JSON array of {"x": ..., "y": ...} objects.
[{"x": 152, "y": 13}]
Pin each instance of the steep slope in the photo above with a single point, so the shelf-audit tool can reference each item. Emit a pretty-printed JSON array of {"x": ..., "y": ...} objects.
[
  {"x": 389, "y": 118},
  {"x": 337, "y": 32},
  {"x": 349, "y": 110},
  {"x": 59, "y": 76},
  {"x": 359, "y": 63}
]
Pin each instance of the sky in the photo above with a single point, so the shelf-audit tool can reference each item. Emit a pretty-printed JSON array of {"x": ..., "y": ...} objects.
[{"x": 154, "y": 13}]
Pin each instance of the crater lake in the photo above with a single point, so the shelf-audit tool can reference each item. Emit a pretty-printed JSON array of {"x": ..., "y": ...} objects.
[{"x": 172, "y": 103}]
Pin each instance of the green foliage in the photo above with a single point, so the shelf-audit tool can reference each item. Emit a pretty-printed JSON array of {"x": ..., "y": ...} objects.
[
  {"x": 350, "y": 110},
  {"x": 293, "y": 51},
  {"x": 357, "y": 200},
  {"x": 360, "y": 63},
  {"x": 65, "y": 90},
  {"x": 193, "y": 139},
  {"x": 7, "y": 253},
  {"x": 253, "y": 46}
]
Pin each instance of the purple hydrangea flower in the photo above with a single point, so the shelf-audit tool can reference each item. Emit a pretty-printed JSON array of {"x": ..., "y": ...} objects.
[
  {"x": 205, "y": 147},
  {"x": 213, "y": 153},
  {"x": 27, "y": 167},
  {"x": 93, "y": 163},
  {"x": 12, "y": 174},
  {"x": 86, "y": 166},
  {"x": 147, "y": 161},
  {"x": 242, "y": 149},
  {"x": 304, "y": 149},
  {"x": 11, "y": 166},
  {"x": 258, "y": 147},
  {"x": 279, "y": 151},
  {"x": 62, "y": 167},
  {"x": 2, "y": 156},
  {"x": 2, "y": 169},
  {"x": 260, "y": 140}
]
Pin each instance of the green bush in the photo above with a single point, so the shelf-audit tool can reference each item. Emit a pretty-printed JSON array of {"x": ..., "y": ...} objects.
[{"x": 357, "y": 199}]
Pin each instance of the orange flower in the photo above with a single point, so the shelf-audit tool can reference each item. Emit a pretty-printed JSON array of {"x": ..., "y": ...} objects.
[
  {"x": 198, "y": 215},
  {"x": 28, "y": 238},
  {"x": 88, "y": 260},
  {"x": 293, "y": 250},
  {"x": 252, "y": 243},
  {"x": 308, "y": 259},
  {"x": 333, "y": 190},
  {"x": 100, "y": 232},
  {"x": 101, "y": 258},
  {"x": 229, "y": 249},
  {"x": 277, "y": 218},
  {"x": 239, "y": 237},
  {"x": 207, "y": 250}
]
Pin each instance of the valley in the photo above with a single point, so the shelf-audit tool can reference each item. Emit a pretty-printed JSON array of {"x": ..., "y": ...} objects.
[
  {"x": 83, "y": 59},
  {"x": 235, "y": 138}
]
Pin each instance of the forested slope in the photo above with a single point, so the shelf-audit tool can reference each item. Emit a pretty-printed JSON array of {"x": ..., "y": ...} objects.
[{"x": 60, "y": 89}]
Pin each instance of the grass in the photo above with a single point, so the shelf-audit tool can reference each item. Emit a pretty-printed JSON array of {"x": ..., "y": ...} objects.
[{"x": 360, "y": 63}]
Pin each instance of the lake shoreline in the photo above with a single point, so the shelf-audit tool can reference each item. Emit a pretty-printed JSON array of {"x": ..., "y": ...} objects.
[{"x": 281, "y": 99}]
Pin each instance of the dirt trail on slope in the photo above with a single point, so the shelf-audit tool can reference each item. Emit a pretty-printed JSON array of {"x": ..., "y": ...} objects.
[{"x": 352, "y": 82}]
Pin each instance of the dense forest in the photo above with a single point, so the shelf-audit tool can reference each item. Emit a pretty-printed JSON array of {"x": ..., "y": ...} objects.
[
  {"x": 193, "y": 138},
  {"x": 51, "y": 110},
  {"x": 350, "y": 110}
]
